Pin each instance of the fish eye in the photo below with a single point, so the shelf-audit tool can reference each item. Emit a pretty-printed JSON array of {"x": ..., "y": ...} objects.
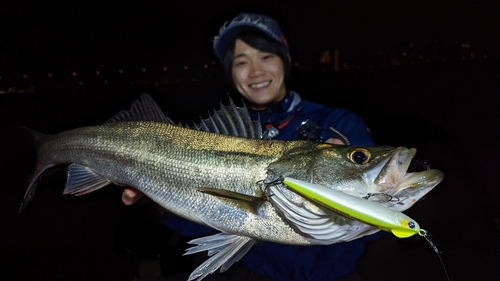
[{"x": 359, "y": 155}]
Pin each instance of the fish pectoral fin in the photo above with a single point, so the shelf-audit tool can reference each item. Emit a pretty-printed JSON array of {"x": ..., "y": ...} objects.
[
  {"x": 242, "y": 201},
  {"x": 82, "y": 180},
  {"x": 229, "y": 194},
  {"x": 224, "y": 250}
]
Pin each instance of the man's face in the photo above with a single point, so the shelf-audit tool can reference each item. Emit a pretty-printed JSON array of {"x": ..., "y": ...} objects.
[{"x": 258, "y": 76}]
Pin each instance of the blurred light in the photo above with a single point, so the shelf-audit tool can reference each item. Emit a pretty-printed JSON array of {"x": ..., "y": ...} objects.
[
  {"x": 213, "y": 62},
  {"x": 97, "y": 72},
  {"x": 143, "y": 69},
  {"x": 120, "y": 70},
  {"x": 49, "y": 75},
  {"x": 165, "y": 68},
  {"x": 296, "y": 63},
  {"x": 412, "y": 45},
  {"x": 405, "y": 53},
  {"x": 185, "y": 67},
  {"x": 105, "y": 82},
  {"x": 0, "y": 77},
  {"x": 211, "y": 39},
  {"x": 73, "y": 73},
  {"x": 466, "y": 45},
  {"x": 80, "y": 83},
  {"x": 25, "y": 76},
  {"x": 205, "y": 65}
]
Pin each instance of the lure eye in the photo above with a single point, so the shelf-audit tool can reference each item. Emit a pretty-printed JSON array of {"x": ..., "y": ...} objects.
[
  {"x": 359, "y": 155},
  {"x": 411, "y": 225}
]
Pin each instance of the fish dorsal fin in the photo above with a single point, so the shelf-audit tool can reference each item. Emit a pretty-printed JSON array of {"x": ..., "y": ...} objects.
[
  {"x": 145, "y": 109},
  {"x": 83, "y": 180},
  {"x": 231, "y": 120},
  {"x": 224, "y": 250},
  {"x": 249, "y": 203}
]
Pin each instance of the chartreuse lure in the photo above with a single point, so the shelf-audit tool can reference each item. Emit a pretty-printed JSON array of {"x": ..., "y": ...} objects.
[
  {"x": 362, "y": 210},
  {"x": 359, "y": 209}
]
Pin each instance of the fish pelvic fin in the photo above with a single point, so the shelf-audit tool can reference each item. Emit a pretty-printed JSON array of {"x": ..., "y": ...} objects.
[
  {"x": 246, "y": 202},
  {"x": 83, "y": 180},
  {"x": 224, "y": 250}
]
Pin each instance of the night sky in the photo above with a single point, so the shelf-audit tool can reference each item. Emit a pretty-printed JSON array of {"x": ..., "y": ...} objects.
[{"x": 47, "y": 35}]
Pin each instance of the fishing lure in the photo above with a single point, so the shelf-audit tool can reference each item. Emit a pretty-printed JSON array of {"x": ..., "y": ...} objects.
[
  {"x": 359, "y": 209},
  {"x": 365, "y": 211}
]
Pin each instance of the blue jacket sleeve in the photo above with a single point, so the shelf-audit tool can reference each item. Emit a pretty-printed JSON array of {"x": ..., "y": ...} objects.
[{"x": 347, "y": 123}]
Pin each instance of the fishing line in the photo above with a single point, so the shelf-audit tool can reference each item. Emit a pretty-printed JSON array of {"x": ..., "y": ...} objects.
[{"x": 426, "y": 236}]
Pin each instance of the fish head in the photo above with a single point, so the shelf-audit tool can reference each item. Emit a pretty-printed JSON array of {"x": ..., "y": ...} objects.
[{"x": 377, "y": 173}]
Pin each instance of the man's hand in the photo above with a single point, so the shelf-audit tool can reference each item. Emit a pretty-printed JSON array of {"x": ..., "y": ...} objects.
[
  {"x": 131, "y": 195},
  {"x": 335, "y": 141}
]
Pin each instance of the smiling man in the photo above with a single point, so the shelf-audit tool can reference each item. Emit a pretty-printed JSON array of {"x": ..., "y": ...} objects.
[{"x": 257, "y": 63}]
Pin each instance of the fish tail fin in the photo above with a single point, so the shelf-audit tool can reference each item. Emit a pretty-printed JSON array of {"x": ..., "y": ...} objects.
[
  {"x": 28, "y": 196},
  {"x": 36, "y": 136},
  {"x": 30, "y": 192}
]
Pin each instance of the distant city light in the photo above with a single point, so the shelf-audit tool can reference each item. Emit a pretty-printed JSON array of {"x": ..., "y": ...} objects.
[
  {"x": 105, "y": 82},
  {"x": 296, "y": 63},
  {"x": 73, "y": 74},
  {"x": 213, "y": 62},
  {"x": 185, "y": 67},
  {"x": 97, "y": 72},
  {"x": 205, "y": 65},
  {"x": 165, "y": 68},
  {"x": 80, "y": 83},
  {"x": 143, "y": 69},
  {"x": 49, "y": 75},
  {"x": 25, "y": 76},
  {"x": 120, "y": 70}
]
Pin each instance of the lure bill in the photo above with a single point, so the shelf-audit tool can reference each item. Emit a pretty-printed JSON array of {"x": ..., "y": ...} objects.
[{"x": 359, "y": 209}]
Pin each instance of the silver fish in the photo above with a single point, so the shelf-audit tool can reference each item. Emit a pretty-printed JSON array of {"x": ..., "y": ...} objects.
[{"x": 231, "y": 183}]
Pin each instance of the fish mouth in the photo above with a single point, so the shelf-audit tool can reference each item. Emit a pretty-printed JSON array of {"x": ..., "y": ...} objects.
[{"x": 406, "y": 178}]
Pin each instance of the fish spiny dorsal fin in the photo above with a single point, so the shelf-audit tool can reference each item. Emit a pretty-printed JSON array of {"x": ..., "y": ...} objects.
[
  {"x": 145, "y": 109},
  {"x": 231, "y": 120}
]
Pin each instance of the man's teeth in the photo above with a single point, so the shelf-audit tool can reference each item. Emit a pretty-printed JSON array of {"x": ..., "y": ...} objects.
[{"x": 260, "y": 85}]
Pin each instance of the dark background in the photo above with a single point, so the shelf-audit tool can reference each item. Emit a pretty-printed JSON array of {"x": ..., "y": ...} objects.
[{"x": 421, "y": 74}]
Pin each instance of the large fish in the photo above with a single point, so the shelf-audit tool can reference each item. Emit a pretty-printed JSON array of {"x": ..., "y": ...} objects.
[{"x": 231, "y": 183}]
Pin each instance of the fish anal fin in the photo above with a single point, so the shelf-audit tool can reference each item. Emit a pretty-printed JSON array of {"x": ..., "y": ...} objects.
[
  {"x": 82, "y": 180},
  {"x": 247, "y": 202}
]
